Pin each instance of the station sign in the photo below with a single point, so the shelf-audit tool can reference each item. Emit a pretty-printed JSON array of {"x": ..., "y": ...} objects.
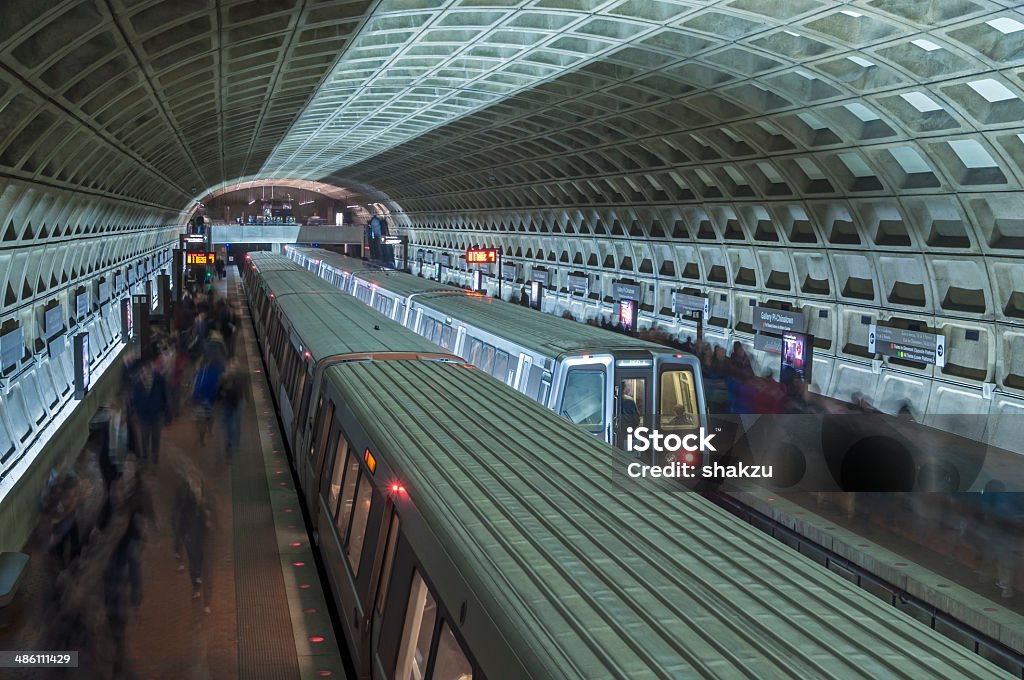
[
  {"x": 12, "y": 348},
  {"x": 926, "y": 348},
  {"x": 578, "y": 284},
  {"x": 446, "y": 260},
  {"x": 768, "y": 343},
  {"x": 199, "y": 258},
  {"x": 768, "y": 320},
  {"x": 428, "y": 257},
  {"x": 81, "y": 305},
  {"x": 691, "y": 305},
  {"x": 53, "y": 321},
  {"x": 539, "y": 276},
  {"x": 102, "y": 292},
  {"x": 508, "y": 271},
  {"x": 118, "y": 281},
  {"x": 625, "y": 291},
  {"x": 481, "y": 255}
]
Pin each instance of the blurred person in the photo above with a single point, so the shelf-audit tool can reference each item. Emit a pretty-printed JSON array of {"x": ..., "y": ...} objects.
[
  {"x": 64, "y": 541},
  {"x": 192, "y": 520},
  {"x": 740, "y": 361},
  {"x": 232, "y": 393},
  {"x": 204, "y": 393},
  {"x": 149, "y": 404}
]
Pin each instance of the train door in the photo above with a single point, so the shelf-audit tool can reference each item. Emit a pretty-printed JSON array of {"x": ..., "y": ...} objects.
[
  {"x": 633, "y": 397},
  {"x": 680, "y": 402}
]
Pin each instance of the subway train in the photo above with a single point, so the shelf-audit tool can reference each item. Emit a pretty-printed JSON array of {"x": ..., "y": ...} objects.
[
  {"x": 470, "y": 533},
  {"x": 824, "y": 452},
  {"x": 604, "y": 382}
]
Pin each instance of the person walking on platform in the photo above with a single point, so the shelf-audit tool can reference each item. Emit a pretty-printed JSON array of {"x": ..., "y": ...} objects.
[
  {"x": 204, "y": 393},
  {"x": 149, "y": 404},
  {"x": 192, "y": 520},
  {"x": 232, "y": 395}
]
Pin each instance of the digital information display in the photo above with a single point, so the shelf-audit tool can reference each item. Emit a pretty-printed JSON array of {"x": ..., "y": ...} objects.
[
  {"x": 126, "y": 320},
  {"x": 536, "y": 293},
  {"x": 481, "y": 255},
  {"x": 478, "y": 281},
  {"x": 199, "y": 258},
  {"x": 628, "y": 310},
  {"x": 82, "y": 365},
  {"x": 926, "y": 348},
  {"x": 797, "y": 358}
]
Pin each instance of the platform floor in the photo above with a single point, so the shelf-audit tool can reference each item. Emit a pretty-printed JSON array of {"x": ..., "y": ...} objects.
[{"x": 267, "y": 617}]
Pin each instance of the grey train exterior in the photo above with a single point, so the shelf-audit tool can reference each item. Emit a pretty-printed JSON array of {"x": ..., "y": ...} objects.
[{"x": 604, "y": 382}]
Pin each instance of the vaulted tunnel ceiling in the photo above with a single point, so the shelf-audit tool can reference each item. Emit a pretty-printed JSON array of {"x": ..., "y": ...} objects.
[{"x": 867, "y": 152}]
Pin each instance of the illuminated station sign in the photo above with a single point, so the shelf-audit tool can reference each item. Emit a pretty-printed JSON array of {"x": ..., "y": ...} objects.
[
  {"x": 199, "y": 258},
  {"x": 481, "y": 255}
]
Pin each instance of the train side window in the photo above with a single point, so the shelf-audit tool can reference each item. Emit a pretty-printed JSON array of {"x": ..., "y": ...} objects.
[
  {"x": 348, "y": 493},
  {"x": 500, "y": 366},
  {"x": 385, "y": 568},
  {"x": 487, "y": 359},
  {"x": 446, "y": 337},
  {"x": 476, "y": 352},
  {"x": 678, "y": 399},
  {"x": 417, "y": 632},
  {"x": 360, "y": 514},
  {"x": 545, "y": 388},
  {"x": 450, "y": 662},
  {"x": 583, "y": 397},
  {"x": 340, "y": 459}
]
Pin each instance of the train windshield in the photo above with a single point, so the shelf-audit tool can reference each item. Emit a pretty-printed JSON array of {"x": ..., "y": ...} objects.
[
  {"x": 583, "y": 398},
  {"x": 678, "y": 399}
]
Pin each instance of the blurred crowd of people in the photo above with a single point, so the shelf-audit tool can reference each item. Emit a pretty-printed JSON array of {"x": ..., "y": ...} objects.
[{"x": 95, "y": 529}]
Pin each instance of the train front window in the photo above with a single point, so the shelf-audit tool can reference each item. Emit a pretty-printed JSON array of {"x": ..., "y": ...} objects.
[
  {"x": 678, "y": 400},
  {"x": 583, "y": 398},
  {"x": 450, "y": 662}
]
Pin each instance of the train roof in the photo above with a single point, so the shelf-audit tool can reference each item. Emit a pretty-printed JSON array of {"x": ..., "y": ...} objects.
[
  {"x": 595, "y": 580},
  {"x": 329, "y": 323},
  {"x": 543, "y": 333},
  {"x": 268, "y": 262}
]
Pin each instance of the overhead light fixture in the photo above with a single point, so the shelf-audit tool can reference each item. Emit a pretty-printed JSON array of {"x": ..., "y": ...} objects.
[
  {"x": 306, "y": 202},
  {"x": 351, "y": 206},
  {"x": 252, "y": 201}
]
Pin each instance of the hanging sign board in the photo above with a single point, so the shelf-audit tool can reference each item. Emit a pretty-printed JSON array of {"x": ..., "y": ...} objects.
[
  {"x": 53, "y": 321},
  {"x": 768, "y": 343},
  {"x": 481, "y": 255},
  {"x": 927, "y": 348},
  {"x": 626, "y": 291},
  {"x": 81, "y": 305},
  {"x": 199, "y": 258},
  {"x": 768, "y": 320},
  {"x": 508, "y": 271},
  {"x": 102, "y": 292},
  {"x": 540, "y": 276},
  {"x": 12, "y": 348},
  {"x": 578, "y": 284},
  {"x": 446, "y": 260},
  {"x": 685, "y": 304}
]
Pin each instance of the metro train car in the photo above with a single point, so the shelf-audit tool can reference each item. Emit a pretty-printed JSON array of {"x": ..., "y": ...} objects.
[
  {"x": 604, "y": 382},
  {"x": 469, "y": 533},
  {"x": 280, "y": 295}
]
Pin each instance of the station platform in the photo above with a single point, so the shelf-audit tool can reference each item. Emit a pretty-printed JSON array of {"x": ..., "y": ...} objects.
[{"x": 262, "y": 612}]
